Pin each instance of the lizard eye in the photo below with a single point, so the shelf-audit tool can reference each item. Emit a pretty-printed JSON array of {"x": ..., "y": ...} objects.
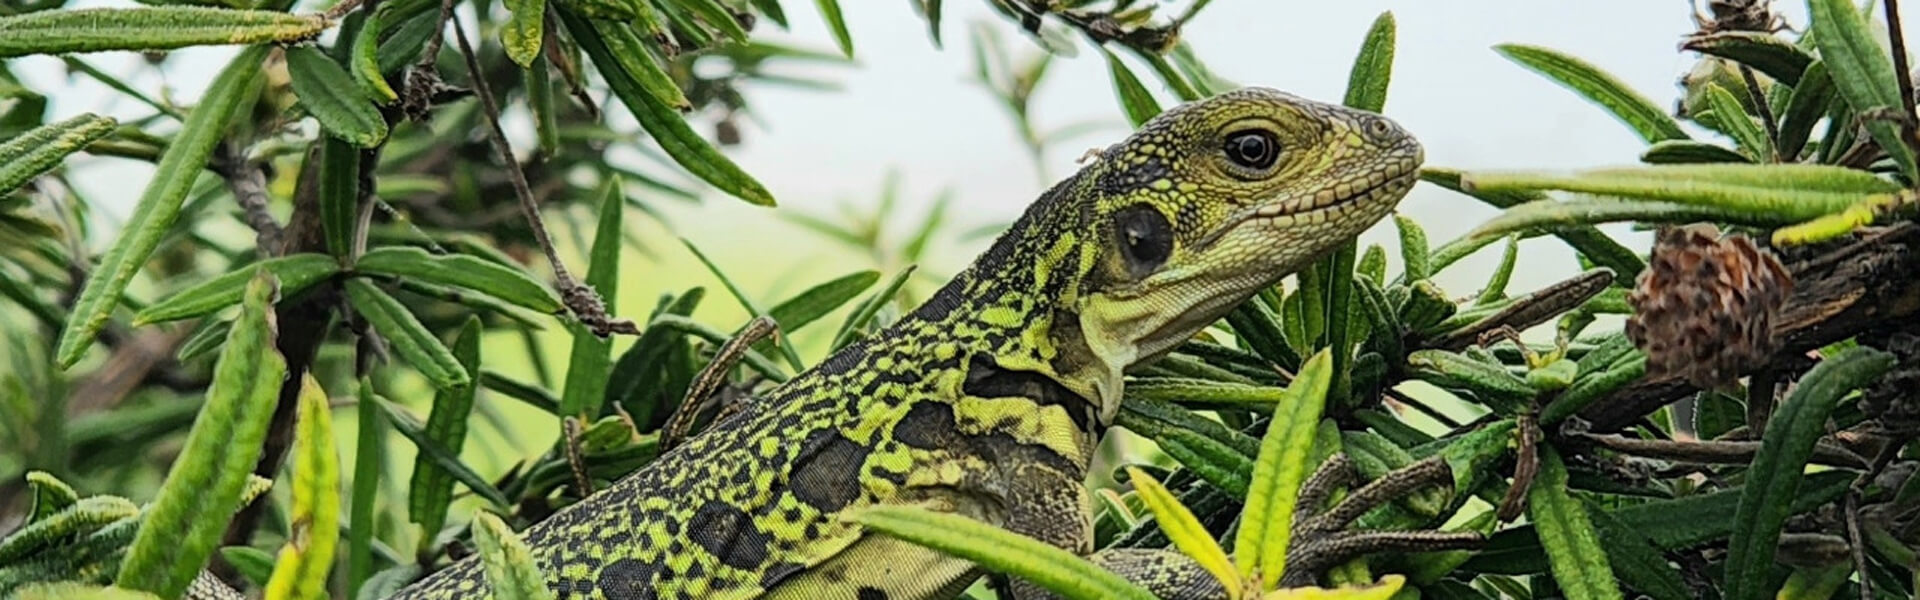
[
  {"x": 1146, "y": 238},
  {"x": 1255, "y": 149}
]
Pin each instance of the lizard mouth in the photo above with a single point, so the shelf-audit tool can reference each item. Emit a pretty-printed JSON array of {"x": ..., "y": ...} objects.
[{"x": 1375, "y": 190}]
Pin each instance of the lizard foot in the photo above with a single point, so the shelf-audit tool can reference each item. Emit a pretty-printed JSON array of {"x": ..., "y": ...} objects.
[{"x": 1323, "y": 540}]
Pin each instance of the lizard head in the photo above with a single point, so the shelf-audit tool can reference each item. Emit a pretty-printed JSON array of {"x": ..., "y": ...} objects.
[{"x": 1207, "y": 204}]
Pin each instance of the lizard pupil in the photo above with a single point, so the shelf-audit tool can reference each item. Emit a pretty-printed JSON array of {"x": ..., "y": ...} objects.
[
  {"x": 1146, "y": 238},
  {"x": 1253, "y": 148}
]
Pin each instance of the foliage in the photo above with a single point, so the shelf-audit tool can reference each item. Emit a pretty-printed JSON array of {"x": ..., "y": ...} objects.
[{"x": 1356, "y": 434}]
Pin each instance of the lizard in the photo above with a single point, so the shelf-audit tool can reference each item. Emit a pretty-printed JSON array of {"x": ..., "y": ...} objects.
[{"x": 987, "y": 399}]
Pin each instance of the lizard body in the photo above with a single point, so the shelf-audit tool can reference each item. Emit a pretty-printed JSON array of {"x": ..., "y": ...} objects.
[{"x": 987, "y": 400}]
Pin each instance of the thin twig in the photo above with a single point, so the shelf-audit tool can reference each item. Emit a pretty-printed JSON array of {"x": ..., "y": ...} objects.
[
  {"x": 1766, "y": 112},
  {"x": 1855, "y": 542},
  {"x": 1733, "y": 453},
  {"x": 1897, "y": 40},
  {"x": 710, "y": 378},
  {"x": 431, "y": 53},
  {"x": 581, "y": 299},
  {"x": 248, "y": 182},
  {"x": 1402, "y": 398}
]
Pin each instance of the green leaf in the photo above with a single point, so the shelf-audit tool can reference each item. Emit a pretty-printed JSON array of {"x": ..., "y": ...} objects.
[
  {"x": 368, "y": 454},
  {"x": 1635, "y": 560},
  {"x": 1810, "y": 102},
  {"x": 1219, "y": 455},
  {"x": 252, "y": 563},
  {"x": 591, "y": 357},
  {"x": 509, "y": 564},
  {"x": 462, "y": 271},
  {"x": 1863, "y": 72},
  {"x": 863, "y": 314},
  {"x": 786, "y": 344},
  {"x": 830, "y": 11},
  {"x": 1266, "y": 526},
  {"x": 339, "y": 191},
  {"x": 159, "y": 205},
  {"x": 1781, "y": 463},
  {"x": 333, "y": 98},
  {"x": 39, "y": 150},
  {"x": 1594, "y": 245},
  {"x": 1737, "y": 124},
  {"x": 661, "y": 120},
  {"x": 364, "y": 61},
  {"x": 521, "y": 34},
  {"x": 410, "y": 339},
  {"x": 1675, "y": 152},
  {"x": 1134, "y": 97},
  {"x": 150, "y": 28},
  {"x": 715, "y": 15},
  {"x": 546, "y": 122},
  {"x": 1488, "y": 384},
  {"x": 1573, "y": 548},
  {"x": 301, "y": 571},
  {"x": 432, "y": 451},
  {"x": 1413, "y": 248},
  {"x": 1057, "y": 570},
  {"x": 1496, "y": 288},
  {"x": 1185, "y": 530},
  {"x": 1646, "y": 118},
  {"x": 431, "y": 489},
  {"x": 1790, "y": 192},
  {"x": 1373, "y": 68},
  {"x": 294, "y": 273},
  {"x": 203, "y": 488},
  {"x": 1765, "y": 52},
  {"x": 808, "y": 306}
]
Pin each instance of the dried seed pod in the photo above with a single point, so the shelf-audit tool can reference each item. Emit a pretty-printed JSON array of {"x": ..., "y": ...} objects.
[
  {"x": 1705, "y": 306},
  {"x": 1738, "y": 15}
]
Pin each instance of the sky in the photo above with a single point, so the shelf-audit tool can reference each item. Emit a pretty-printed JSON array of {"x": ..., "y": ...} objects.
[{"x": 910, "y": 107}]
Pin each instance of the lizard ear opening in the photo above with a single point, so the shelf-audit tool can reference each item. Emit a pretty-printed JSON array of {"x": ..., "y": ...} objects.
[{"x": 1145, "y": 239}]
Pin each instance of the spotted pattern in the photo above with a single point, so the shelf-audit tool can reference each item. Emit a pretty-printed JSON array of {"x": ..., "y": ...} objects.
[{"x": 983, "y": 400}]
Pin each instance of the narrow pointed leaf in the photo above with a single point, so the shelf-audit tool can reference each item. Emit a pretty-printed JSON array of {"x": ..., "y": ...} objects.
[
  {"x": 510, "y": 568},
  {"x": 149, "y": 28},
  {"x": 816, "y": 302},
  {"x": 1062, "y": 572},
  {"x": 1793, "y": 192},
  {"x": 159, "y": 205},
  {"x": 716, "y": 15},
  {"x": 1680, "y": 152},
  {"x": 1266, "y": 528},
  {"x": 522, "y": 33},
  {"x": 1737, "y": 124},
  {"x": 865, "y": 312},
  {"x": 204, "y": 486},
  {"x": 430, "y": 450},
  {"x": 462, "y": 271},
  {"x": 1765, "y": 52},
  {"x": 294, "y": 273},
  {"x": 830, "y": 11},
  {"x": 1647, "y": 119},
  {"x": 1373, "y": 68},
  {"x": 1590, "y": 241},
  {"x": 1781, "y": 464},
  {"x": 364, "y": 61},
  {"x": 39, "y": 150},
  {"x": 1134, "y": 97},
  {"x": 331, "y": 96},
  {"x": 661, "y": 120},
  {"x": 1863, "y": 72},
  {"x": 1185, "y": 531},
  {"x": 1573, "y": 548},
  {"x": 785, "y": 344},
  {"x": 1810, "y": 102},
  {"x": 339, "y": 195},
  {"x": 591, "y": 356},
  {"x": 431, "y": 489},
  {"x": 369, "y": 451},
  {"x": 410, "y": 339},
  {"x": 301, "y": 571}
]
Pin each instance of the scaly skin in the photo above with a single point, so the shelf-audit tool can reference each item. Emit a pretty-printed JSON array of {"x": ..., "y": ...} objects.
[{"x": 987, "y": 400}]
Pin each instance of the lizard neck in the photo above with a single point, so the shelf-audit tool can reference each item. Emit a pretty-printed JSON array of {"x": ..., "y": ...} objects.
[{"x": 1016, "y": 304}]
